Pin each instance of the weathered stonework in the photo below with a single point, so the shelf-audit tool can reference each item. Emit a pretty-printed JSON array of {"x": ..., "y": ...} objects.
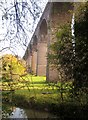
[
  {"x": 36, "y": 53},
  {"x": 53, "y": 17},
  {"x": 60, "y": 14}
]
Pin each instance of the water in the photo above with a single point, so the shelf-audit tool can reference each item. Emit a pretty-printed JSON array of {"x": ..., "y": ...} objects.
[{"x": 17, "y": 112}]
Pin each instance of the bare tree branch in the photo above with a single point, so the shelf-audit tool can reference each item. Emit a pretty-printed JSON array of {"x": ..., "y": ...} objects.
[{"x": 19, "y": 19}]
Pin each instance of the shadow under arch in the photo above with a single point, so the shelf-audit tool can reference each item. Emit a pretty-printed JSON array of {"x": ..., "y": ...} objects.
[
  {"x": 34, "y": 55},
  {"x": 43, "y": 30},
  {"x": 35, "y": 42}
]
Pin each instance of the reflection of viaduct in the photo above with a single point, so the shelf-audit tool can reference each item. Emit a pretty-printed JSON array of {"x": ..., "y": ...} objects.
[{"x": 53, "y": 16}]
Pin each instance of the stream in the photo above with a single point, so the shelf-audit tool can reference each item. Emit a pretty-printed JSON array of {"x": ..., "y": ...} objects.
[{"x": 17, "y": 112}]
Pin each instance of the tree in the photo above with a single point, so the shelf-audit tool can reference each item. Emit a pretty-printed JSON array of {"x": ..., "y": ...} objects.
[
  {"x": 13, "y": 70},
  {"x": 74, "y": 64},
  {"x": 81, "y": 38},
  {"x": 18, "y": 20},
  {"x": 61, "y": 55},
  {"x": 12, "y": 67}
]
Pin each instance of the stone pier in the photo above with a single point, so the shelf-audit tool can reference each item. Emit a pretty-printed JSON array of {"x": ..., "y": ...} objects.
[{"x": 54, "y": 15}]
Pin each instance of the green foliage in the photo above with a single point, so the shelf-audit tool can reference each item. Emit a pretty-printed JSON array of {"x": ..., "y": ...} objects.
[
  {"x": 61, "y": 54},
  {"x": 62, "y": 57},
  {"x": 40, "y": 91},
  {"x": 81, "y": 38},
  {"x": 13, "y": 68}
]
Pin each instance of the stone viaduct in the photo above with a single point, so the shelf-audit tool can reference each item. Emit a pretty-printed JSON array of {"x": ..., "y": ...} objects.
[{"x": 54, "y": 15}]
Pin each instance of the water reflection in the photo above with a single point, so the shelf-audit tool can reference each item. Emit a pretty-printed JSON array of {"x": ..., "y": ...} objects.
[
  {"x": 29, "y": 113},
  {"x": 18, "y": 113}
]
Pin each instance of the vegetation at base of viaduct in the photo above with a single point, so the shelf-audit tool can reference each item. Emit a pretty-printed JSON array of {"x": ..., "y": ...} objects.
[
  {"x": 81, "y": 48},
  {"x": 71, "y": 60}
]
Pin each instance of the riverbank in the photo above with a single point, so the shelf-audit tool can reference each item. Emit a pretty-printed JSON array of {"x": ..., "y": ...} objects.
[
  {"x": 40, "y": 95},
  {"x": 62, "y": 110}
]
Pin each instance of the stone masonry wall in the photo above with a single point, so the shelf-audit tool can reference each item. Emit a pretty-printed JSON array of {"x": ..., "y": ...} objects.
[
  {"x": 60, "y": 14},
  {"x": 54, "y": 15}
]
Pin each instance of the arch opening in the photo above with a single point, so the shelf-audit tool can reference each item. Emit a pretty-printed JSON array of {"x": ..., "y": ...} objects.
[
  {"x": 43, "y": 30},
  {"x": 35, "y": 42}
]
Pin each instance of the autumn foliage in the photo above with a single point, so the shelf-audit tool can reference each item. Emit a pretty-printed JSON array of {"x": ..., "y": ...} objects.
[{"x": 12, "y": 67}]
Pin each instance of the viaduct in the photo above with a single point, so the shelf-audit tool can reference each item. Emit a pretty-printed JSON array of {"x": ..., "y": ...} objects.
[{"x": 54, "y": 15}]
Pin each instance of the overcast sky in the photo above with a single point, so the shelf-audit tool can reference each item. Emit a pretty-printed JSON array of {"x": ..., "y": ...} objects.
[{"x": 6, "y": 26}]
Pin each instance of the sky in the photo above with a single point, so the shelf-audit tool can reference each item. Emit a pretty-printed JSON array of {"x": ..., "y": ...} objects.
[
  {"x": 8, "y": 26},
  {"x": 17, "y": 45}
]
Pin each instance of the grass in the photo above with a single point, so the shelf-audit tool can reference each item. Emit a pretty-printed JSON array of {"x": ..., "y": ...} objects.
[
  {"x": 39, "y": 94},
  {"x": 40, "y": 91},
  {"x": 37, "y": 90}
]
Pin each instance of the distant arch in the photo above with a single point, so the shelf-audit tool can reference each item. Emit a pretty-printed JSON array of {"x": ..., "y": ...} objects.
[
  {"x": 30, "y": 48},
  {"x": 35, "y": 42},
  {"x": 43, "y": 30}
]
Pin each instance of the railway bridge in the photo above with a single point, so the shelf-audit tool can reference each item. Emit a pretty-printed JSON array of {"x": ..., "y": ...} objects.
[{"x": 54, "y": 15}]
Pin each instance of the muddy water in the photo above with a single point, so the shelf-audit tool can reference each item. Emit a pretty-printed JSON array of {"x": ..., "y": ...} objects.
[{"x": 29, "y": 113}]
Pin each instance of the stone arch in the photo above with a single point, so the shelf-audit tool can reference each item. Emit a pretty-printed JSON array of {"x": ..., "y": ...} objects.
[
  {"x": 34, "y": 55},
  {"x": 35, "y": 42},
  {"x": 30, "y": 48},
  {"x": 42, "y": 49},
  {"x": 43, "y": 27},
  {"x": 43, "y": 30},
  {"x": 29, "y": 57}
]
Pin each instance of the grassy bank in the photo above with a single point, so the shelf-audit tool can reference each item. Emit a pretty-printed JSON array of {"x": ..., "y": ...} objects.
[{"x": 56, "y": 98}]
